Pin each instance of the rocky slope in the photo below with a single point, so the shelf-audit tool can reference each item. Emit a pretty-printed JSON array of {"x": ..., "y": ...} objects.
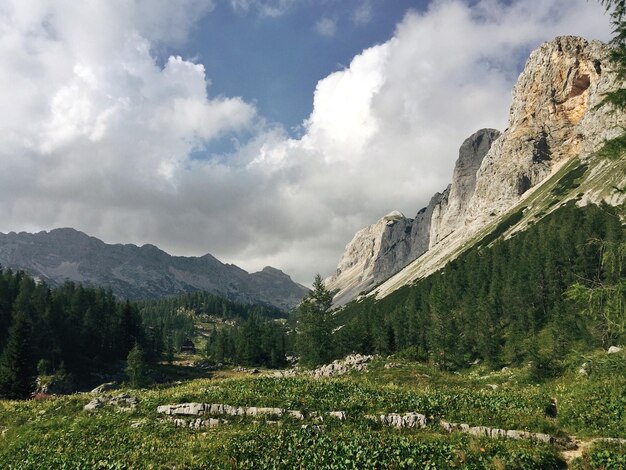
[
  {"x": 384, "y": 248},
  {"x": 134, "y": 272},
  {"x": 554, "y": 119}
]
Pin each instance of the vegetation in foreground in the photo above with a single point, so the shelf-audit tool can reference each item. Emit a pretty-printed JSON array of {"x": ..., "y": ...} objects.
[{"x": 57, "y": 432}]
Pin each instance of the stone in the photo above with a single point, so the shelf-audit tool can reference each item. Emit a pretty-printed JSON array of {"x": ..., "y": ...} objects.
[
  {"x": 197, "y": 423},
  {"x": 354, "y": 362},
  {"x": 295, "y": 414},
  {"x": 185, "y": 409},
  {"x": 406, "y": 420},
  {"x": 340, "y": 415},
  {"x": 541, "y": 437},
  {"x": 94, "y": 404},
  {"x": 124, "y": 402},
  {"x": 105, "y": 387},
  {"x": 447, "y": 427},
  {"x": 480, "y": 431},
  {"x": 268, "y": 411},
  {"x": 513, "y": 434},
  {"x": 613, "y": 350}
]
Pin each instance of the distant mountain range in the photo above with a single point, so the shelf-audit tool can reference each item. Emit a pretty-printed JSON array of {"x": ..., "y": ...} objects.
[{"x": 140, "y": 272}]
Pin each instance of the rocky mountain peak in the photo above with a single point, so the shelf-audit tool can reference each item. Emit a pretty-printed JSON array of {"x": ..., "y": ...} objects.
[
  {"x": 554, "y": 117},
  {"x": 382, "y": 249},
  {"x": 140, "y": 272}
]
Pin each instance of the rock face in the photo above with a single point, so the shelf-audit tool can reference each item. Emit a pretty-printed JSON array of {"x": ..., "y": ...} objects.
[
  {"x": 382, "y": 249},
  {"x": 471, "y": 156},
  {"x": 357, "y": 269},
  {"x": 144, "y": 272},
  {"x": 554, "y": 117}
]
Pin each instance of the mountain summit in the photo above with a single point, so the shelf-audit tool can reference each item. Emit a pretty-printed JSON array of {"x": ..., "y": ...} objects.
[
  {"x": 140, "y": 272},
  {"x": 556, "y": 123}
]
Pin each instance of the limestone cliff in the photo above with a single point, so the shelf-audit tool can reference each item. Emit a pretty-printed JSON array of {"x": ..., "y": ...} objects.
[
  {"x": 556, "y": 123},
  {"x": 554, "y": 117},
  {"x": 384, "y": 248},
  {"x": 355, "y": 272}
]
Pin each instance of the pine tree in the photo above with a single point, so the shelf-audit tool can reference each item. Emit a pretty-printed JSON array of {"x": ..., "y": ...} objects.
[
  {"x": 136, "y": 367},
  {"x": 17, "y": 366},
  {"x": 614, "y": 148},
  {"x": 605, "y": 299},
  {"x": 314, "y": 342}
]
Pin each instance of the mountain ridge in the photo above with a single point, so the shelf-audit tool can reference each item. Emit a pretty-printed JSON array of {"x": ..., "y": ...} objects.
[
  {"x": 140, "y": 272},
  {"x": 556, "y": 119}
]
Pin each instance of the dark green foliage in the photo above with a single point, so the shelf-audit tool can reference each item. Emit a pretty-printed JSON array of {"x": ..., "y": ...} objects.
[
  {"x": 171, "y": 321},
  {"x": 79, "y": 328},
  {"x": 503, "y": 303},
  {"x": 314, "y": 339},
  {"x": 136, "y": 367},
  {"x": 604, "y": 300},
  {"x": 17, "y": 367},
  {"x": 569, "y": 181},
  {"x": 255, "y": 342}
]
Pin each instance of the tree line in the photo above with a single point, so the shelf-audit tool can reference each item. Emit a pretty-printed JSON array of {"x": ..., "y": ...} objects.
[
  {"x": 171, "y": 321},
  {"x": 512, "y": 301},
  {"x": 71, "y": 328}
]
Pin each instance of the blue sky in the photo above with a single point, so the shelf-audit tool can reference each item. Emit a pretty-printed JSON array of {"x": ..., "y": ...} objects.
[
  {"x": 264, "y": 132},
  {"x": 276, "y": 61}
]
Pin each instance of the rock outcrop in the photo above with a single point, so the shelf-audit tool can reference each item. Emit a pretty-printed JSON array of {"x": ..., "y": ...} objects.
[
  {"x": 556, "y": 115},
  {"x": 357, "y": 269},
  {"x": 144, "y": 272},
  {"x": 553, "y": 117},
  {"x": 384, "y": 248},
  {"x": 353, "y": 362}
]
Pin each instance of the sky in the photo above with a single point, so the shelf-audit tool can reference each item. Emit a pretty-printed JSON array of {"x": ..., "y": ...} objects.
[{"x": 264, "y": 132}]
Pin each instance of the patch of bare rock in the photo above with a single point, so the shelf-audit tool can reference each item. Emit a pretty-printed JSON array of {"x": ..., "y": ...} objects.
[
  {"x": 204, "y": 415},
  {"x": 353, "y": 362},
  {"x": 122, "y": 402}
]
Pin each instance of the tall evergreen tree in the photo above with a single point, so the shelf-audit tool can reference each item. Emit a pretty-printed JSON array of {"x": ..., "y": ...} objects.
[
  {"x": 614, "y": 148},
  {"x": 136, "y": 367},
  {"x": 314, "y": 342},
  {"x": 17, "y": 366}
]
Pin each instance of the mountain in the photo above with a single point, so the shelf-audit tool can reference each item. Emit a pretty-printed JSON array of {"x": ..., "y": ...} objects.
[
  {"x": 384, "y": 248},
  {"x": 544, "y": 158},
  {"x": 144, "y": 272}
]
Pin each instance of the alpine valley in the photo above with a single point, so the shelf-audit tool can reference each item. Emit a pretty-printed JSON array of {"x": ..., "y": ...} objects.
[{"x": 488, "y": 331}]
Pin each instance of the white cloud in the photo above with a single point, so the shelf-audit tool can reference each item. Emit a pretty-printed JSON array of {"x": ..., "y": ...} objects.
[
  {"x": 363, "y": 14},
  {"x": 95, "y": 134},
  {"x": 326, "y": 27},
  {"x": 269, "y": 8}
]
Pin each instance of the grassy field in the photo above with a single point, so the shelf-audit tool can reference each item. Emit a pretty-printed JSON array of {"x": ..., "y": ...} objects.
[{"x": 57, "y": 433}]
